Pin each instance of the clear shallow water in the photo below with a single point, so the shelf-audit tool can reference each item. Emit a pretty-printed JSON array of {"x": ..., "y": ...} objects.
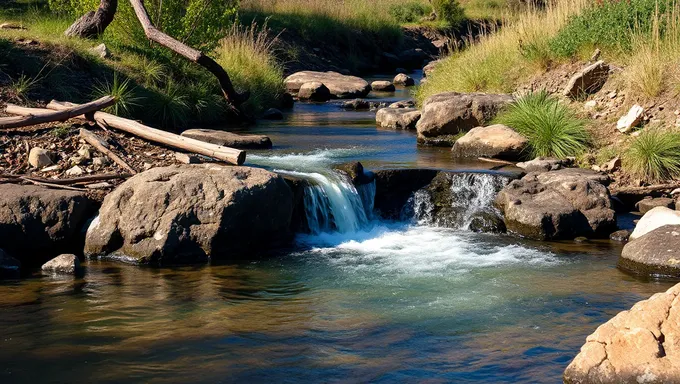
[{"x": 389, "y": 302}]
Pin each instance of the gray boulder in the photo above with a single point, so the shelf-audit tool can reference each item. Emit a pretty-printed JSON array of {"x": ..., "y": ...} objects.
[
  {"x": 647, "y": 204},
  {"x": 314, "y": 91},
  {"x": 66, "y": 264},
  {"x": 36, "y": 222},
  {"x": 397, "y": 118},
  {"x": 448, "y": 114},
  {"x": 555, "y": 205},
  {"x": 229, "y": 139},
  {"x": 587, "y": 81},
  {"x": 655, "y": 253},
  {"x": 497, "y": 141},
  {"x": 340, "y": 86},
  {"x": 192, "y": 213}
]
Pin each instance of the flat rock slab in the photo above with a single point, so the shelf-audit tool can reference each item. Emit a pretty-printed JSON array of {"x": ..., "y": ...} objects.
[
  {"x": 496, "y": 141},
  {"x": 587, "y": 81},
  {"x": 397, "y": 118},
  {"x": 641, "y": 345},
  {"x": 655, "y": 253},
  {"x": 646, "y": 205},
  {"x": 66, "y": 264},
  {"x": 340, "y": 86},
  {"x": 229, "y": 139}
]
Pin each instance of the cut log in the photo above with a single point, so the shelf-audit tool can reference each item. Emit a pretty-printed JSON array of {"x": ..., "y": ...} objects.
[
  {"x": 99, "y": 144},
  {"x": 31, "y": 116},
  {"x": 93, "y": 24},
  {"x": 192, "y": 54},
  {"x": 225, "y": 154}
]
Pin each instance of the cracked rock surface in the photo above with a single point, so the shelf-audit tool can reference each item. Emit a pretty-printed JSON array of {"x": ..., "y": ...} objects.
[{"x": 641, "y": 345}]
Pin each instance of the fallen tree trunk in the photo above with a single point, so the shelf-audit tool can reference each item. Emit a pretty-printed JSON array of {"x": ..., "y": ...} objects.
[
  {"x": 31, "y": 116},
  {"x": 101, "y": 146},
  {"x": 93, "y": 24},
  {"x": 225, "y": 154},
  {"x": 192, "y": 54}
]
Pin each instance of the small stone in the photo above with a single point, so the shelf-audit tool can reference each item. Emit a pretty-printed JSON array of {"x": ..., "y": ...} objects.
[
  {"x": 272, "y": 114},
  {"x": 596, "y": 168},
  {"x": 85, "y": 152},
  {"x": 581, "y": 239},
  {"x": 621, "y": 236},
  {"x": 66, "y": 264},
  {"x": 40, "y": 158},
  {"x": 75, "y": 171},
  {"x": 404, "y": 79},
  {"x": 632, "y": 119},
  {"x": 403, "y": 104},
  {"x": 613, "y": 165},
  {"x": 147, "y": 166},
  {"x": 382, "y": 86},
  {"x": 77, "y": 160},
  {"x": 51, "y": 168},
  {"x": 612, "y": 95},
  {"x": 100, "y": 161},
  {"x": 356, "y": 104},
  {"x": 102, "y": 51},
  {"x": 589, "y": 105},
  {"x": 187, "y": 158}
]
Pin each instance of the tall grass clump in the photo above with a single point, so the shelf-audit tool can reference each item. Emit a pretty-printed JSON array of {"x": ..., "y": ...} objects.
[
  {"x": 551, "y": 128},
  {"x": 409, "y": 11},
  {"x": 247, "y": 54},
  {"x": 654, "y": 155},
  {"x": 124, "y": 93}
]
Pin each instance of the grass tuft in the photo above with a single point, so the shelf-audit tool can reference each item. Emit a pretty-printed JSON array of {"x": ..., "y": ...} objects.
[
  {"x": 170, "y": 107},
  {"x": 550, "y": 126},
  {"x": 123, "y": 91},
  {"x": 654, "y": 155}
]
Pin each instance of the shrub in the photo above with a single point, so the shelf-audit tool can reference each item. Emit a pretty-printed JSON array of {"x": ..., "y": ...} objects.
[
  {"x": 550, "y": 126},
  {"x": 409, "y": 12},
  {"x": 449, "y": 11},
  {"x": 654, "y": 155}
]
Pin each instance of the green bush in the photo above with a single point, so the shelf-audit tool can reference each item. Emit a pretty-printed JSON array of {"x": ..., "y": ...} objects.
[
  {"x": 654, "y": 155},
  {"x": 608, "y": 24},
  {"x": 551, "y": 128},
  {"x": 409, "y": 12},
  {"x": 449, "y": 11}
]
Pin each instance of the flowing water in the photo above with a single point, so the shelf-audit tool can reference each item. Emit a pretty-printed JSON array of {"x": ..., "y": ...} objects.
[{"x": 356, "y": 299}]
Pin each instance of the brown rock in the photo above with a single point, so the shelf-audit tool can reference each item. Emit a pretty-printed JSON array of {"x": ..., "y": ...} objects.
[
  {"x": 229, "y": 139},
  {"x": 497, "y": 141},
  {"x": 397, "y": 118},
  {"x": 404, "y": 80},
  {"x": 66, "y": 264},
  {"x": 589, "y": 80},
  {"x": 314, "y": 91},
  {"x": 382, "y": 86},
  {"x": 655, "y": 253},
  {"x": 339, "y": 86},
  {"x": 647, "y": 204}
]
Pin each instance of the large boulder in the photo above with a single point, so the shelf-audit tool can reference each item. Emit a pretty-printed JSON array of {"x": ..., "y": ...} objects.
[
  {"x": 589, "y": 80},
  {"x": 496, "y": 141},
  {"x": 397, "y": 118},
  {"x": 562, "y": 204},
  {"x": 191, "y": 213},
  {"x": 37, "y": 223},
  {"x": 340, "y": 86},
  {"x": 641, "y": 345},
  {"x": 655, "y": 253},
  {"x": 655, "y": 218},
  {"x": 229, "y": 139},
  {"x": 448, "y": 114},
  {"x": 648, "y": 203}
]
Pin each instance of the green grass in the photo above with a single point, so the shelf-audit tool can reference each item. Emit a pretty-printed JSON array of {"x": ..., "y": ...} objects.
[
  {"x": 654, "y": 155},
  {"x": 123, "y": 91},
  {"x": 551, "y": 128}
]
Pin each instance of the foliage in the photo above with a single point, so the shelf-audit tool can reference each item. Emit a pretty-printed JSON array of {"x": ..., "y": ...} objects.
[
  {"x": 449, "y": 11},
  {"x": 654, "y": 155},
  {"x": 170, "y": 106},
  {"x": 123, "y": 91},
  {"x": 551, "y": 128},
  {"x": 409, "y": 12}
]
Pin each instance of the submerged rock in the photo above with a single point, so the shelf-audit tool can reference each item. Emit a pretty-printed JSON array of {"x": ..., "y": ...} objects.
[
  {"x": 397, "y": 118},
  {"x": 191, "y": 213},
  {"x": 497, "y": 141},
  {"x": 229, "y": 139},
  {"x": 655, "y": 253},
  {"x": 562, "y": 204},
  {"x": 641, "y": 345},
  {"x": 404, "y": 80},
  {"x": 382, "y": 86},
  {"x": 655, "y": 218},
  {"x": 339, "y": 86},
  {"x": 448, "y": 114},
  {"x": 356, "y": 105},
  {"x": 66, "y": 264},
  {"x": 37, "y": 222}
]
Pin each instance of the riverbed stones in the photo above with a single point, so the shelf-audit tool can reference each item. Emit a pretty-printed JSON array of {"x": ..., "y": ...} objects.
[
  {"x": 339, "y": 86},
  {"x": 229, "y": 139},
  {"x": 647, "y": 204},
  {"x": 655, "y": 253},
  {"x": 40, "y": 158},
  {"x": 397, "y": 118},
  {"x": 192, "y": 213},
  {"x": 314, "y": 91},
  {"x": 404, "y": 80},
  {"x": 655, "y": 218},
  {"x": 356, "y": 105},
  {"x": 449, "y": 114},
  {"x": 36, "y": 222},
  {"x": 382, "y": 86},
  {"x": 641, "y": 345},
  {"x": 620, "y": 236},
  {"x": 558, "y": 205},
  {"x": 496, "y": 141},
  {"x": 587, "y": 81},
  {"x": 66, "y": 264}
]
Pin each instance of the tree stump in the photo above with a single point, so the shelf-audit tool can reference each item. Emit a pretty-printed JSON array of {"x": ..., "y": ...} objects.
[{"x": 92, "y": 24}]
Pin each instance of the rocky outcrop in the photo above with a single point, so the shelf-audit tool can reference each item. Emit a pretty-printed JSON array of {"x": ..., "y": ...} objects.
[
  {"x": 191, "y": 213},
  {"x": 647, "y": 204},
  {"x": 314, "y": 91},
  {"x": 655, "y": 253},
  {"x": 229, "y": 139},
  {"x": 655, "y": 218},
  {"x": 587, "y": 81},
  {"x": 394, "y": 187},
  {"x": 66, "y": 264},
  {"x": 340, "y": 86},
  {"x": 562, "y": 204},
  {"x": 497, "y": 141},
  {"x": 641, "y": 345},
  {"x": 397, "y": 118},
  {"x": 448, "y": 114},
  {"x": 382, "y": 86},
  {"x": 37, "y": 223}
]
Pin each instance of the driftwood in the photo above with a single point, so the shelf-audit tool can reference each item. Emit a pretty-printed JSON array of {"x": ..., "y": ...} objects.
[
  {"x": 644, "y": 190},
  {"x": 93, "y": 24},
  {"x": 51, "y": 185},
  {"x": 69, "y": 181},
  {"x": 31, "y": 116},
  {"x": 225, "y": 154},
  {"x": 99, "y": 144},
  {"x": 192, "y": 54}
]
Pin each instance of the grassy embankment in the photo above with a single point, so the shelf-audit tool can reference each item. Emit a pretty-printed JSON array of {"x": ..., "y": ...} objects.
[{"x": 639, "y": 36}]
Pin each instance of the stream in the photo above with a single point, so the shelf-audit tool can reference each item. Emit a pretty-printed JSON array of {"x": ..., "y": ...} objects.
[{"x": 357, "y": 299}]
